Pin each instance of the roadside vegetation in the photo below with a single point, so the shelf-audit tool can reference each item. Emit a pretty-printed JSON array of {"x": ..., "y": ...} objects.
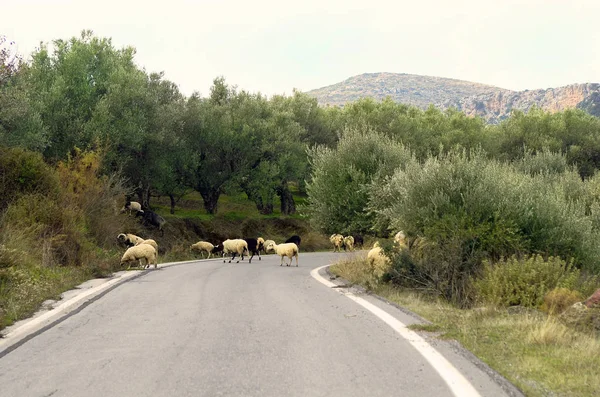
[{"x": 501, "y": 221}]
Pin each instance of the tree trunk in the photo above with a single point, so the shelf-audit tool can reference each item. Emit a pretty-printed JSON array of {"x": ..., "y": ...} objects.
[
  {"x": 173, "y": 202},
  {"x": 211, "y": 199},
  {"x": 288, "y": 205},
  {"x": 267, "y": 209}
]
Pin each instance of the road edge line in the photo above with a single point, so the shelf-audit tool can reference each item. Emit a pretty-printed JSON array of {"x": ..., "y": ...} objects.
[{"x": 458, "y": 384}]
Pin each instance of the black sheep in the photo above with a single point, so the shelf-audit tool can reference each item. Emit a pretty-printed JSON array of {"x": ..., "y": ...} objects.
[
  {"x": 152, "y": 218},
  {"x": 294, "y": 239},
  {"x": 358, "y": 240},
  {"x": 253, "y": 248}
]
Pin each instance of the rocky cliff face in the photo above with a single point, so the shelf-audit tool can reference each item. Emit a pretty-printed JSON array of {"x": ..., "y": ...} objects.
[{"x": 492, "y": 103}]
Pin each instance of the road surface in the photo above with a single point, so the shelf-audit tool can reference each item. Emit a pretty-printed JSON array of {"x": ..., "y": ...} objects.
[{"x": 212, "y": 329}]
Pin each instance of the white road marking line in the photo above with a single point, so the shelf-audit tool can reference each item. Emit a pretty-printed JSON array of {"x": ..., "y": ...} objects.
[{"x": 457, "y": 383}]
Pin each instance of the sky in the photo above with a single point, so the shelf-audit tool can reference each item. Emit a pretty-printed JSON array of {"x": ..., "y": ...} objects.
[{"x": 273, "y": 47}]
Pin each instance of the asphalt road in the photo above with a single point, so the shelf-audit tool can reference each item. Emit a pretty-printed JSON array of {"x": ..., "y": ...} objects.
[{"x": 212, "y": 329}]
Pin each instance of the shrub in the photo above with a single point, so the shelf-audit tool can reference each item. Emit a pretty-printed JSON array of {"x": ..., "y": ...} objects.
[
  {"x": 23, "y": 172},
  {"x": 524, "y": 282},
  {"x": 472, "y": 209},
  {"x": 557, "y": 300}
]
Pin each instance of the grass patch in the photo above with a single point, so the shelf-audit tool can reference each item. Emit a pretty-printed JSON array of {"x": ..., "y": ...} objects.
[
  {"x": 23, "y": 289},
  {"x": 532, "y": 350}
]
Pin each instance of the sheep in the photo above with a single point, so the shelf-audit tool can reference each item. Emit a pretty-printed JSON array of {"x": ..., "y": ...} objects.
[
  {"x": 349, "y": 243},
  {"x": 152, "y": 218},
  {"x": 286, "y": 249},
  {"x": 132, "y": 206},
  {"x": 294, "y": 239},
  {"x": 218, "y": 248},
  {"x": 150, "y": 242},
  {"x": 235, "y": 247},
  {"x": 252, "y": 248},
  {"x": 358, "y": 240},
  {"x": 129, "y": 239},
  {"x": 378, "y": 261},
  {"x": 266, "y": 246},
  {"x": 400, "y": 238},
  {"x": 261, "y": 243},
  {"x": 140, "y": 253},
  {"x": 203, "y": 246},
  {"x": 337, "y": 240}
]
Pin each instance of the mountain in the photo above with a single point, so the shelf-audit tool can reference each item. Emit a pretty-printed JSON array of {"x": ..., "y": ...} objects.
[{"x": 492, "y": 103}]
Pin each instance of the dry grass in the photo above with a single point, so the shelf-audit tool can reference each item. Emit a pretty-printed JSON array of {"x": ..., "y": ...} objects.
[{"x": 537, "y": 353}]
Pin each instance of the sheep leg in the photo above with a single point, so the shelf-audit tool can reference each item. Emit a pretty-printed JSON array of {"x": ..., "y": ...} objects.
[
  {"x": 296, "y": 260},
  {"x": 281, "y": 264}
]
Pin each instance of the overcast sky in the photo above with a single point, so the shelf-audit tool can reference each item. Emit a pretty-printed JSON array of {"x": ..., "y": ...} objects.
[{"x": 275, "y": 46}]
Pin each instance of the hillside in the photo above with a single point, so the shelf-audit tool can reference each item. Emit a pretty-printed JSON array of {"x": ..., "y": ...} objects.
[{"x": 492, "y": 103}]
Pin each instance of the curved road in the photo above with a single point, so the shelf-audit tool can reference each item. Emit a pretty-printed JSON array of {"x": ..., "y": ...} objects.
[{"x": 211, "y": 329}]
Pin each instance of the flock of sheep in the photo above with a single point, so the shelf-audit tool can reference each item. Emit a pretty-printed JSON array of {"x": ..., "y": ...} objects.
[
  {"x": 144, "y": 252},
  {"x": 252, "y": 246}
]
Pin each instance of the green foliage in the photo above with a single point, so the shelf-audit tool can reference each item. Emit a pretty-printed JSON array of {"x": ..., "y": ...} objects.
[
  {"x": 24, "y": 172},
  {"x": 573, "y": 132},
  {"x": 339, "y": 188},
  {"x": 524, "y": 282},
  {"x": 559, "y": 299}
]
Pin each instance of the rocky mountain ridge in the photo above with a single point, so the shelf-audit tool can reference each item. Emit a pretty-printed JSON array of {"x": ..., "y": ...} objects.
[{"x": 492, "y": 103}]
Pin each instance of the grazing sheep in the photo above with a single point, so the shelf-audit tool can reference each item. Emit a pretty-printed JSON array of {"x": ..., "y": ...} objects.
[
  {"x": 152, "y": 218},
  {"x": 379, "y": 263},
  {"x": 139, "y": 254},
  {"x": 349, "y": 243},
  {"x": 252, "y": 248},
  {"x": 266, "y": 246},
  {"x": 294, "y": 239},
  {"x": 235, "y": 247},
  {"x": 132, "y": 206},
  {"x": 129, "y": 239},
  {"x": 286, "y": 249},
  {"x": 337, "y": 240},
  {"x": 358, "y": 240},
  {"x": 202, "y": 247},
  {"x": 150, "y": 242}
]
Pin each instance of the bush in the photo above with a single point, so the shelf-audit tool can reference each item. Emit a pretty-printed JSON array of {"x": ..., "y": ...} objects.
[
  {"x": 559, "y": 299},
  {"x": 23, "y": 172},
  {"x": 524, "y": 282},
  {"x": 472, "y": 209}
]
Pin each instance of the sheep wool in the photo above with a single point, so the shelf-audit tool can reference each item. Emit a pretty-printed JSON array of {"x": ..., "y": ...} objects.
[
  {"x": 349, "y": 243},
  {"x": 267, "y": 246},
  {"x": 143, "y": 255},
  {"x": 379, "y": 263},
  {"x": 286, "y": 249},
  {"x": 235, "y": 247},
  {"x": 129, "y": 239},
  {"x": 150, "y": 242},
  {"x": 337, "y": 240},
  {"x": 202, "y": 247}
]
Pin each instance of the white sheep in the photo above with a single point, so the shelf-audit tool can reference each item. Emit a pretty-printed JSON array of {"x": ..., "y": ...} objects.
[
  {"x": 202, "y": 247},
  {"x": 267, "y": 246},
  {"x": 139, "y": 254},
  {"x": 400, "y": 238},
  {"x": 150, "y": 242},
  {"x": 132, "y": 206},
  {"x": 349, "y": 243},
  {"x": 129, "y": 239},
  {"x": 379, "y": 263},
  {"x": 235, "y": 247},
  {"x": 286, "y": 249},
  {"x": 337, "y": 240}
]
